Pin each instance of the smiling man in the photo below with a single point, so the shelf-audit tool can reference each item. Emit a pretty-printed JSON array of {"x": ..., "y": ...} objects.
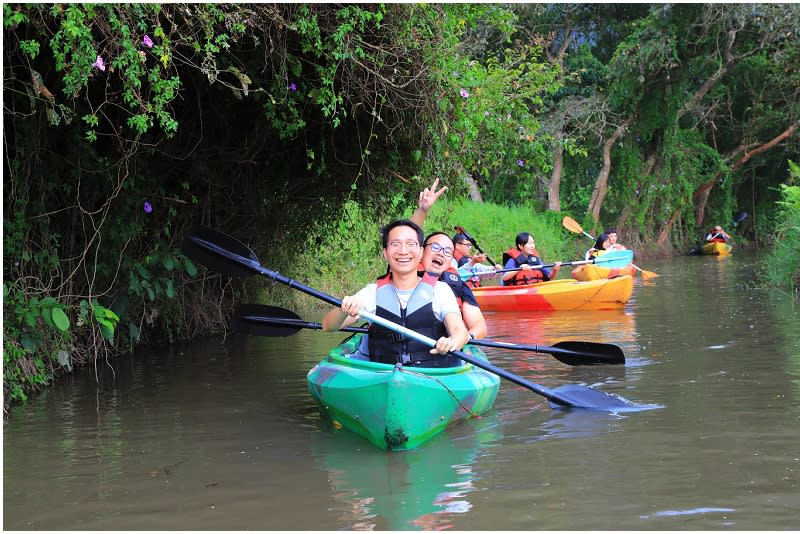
[
  {"x": 438, "y": 250},
  {"x": 422, "y": 304}
]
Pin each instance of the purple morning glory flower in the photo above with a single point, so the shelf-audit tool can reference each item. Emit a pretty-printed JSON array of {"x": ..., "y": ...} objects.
[
  {"x": 99, "y": 63},
  {"x": 486, "y": 113},
  {"x": 521, "y": 162},
  {"x": 464, "y": 93},
  {"x": 148, "y": 208},
  {"x": 293, "y": 86},
  {"x": 147, "y": 41}
]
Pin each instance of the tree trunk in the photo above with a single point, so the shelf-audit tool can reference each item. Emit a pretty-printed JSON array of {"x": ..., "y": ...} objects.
[
  {"x": 554, "y": 187},
  {"x": 474, "y": 192},
  {"x": 601, "y": 185}
]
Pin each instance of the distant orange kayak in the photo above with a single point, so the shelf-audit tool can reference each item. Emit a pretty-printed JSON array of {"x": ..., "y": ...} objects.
[
  {"x": 603, "y": 294},
  {"x": 716, "y": 249},
  {"x": 590, "y": 271}
]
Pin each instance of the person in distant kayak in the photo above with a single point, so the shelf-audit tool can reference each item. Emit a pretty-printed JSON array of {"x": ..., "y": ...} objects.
[
  {"x": 611, "y": 232},
  {"x": 437, "y": 252},
  {"x": 420, "y": 303},
  {"x": 601, "y": 245},
  {"x": 525, "y": 257},
  {"x": 717, "y": 235}
]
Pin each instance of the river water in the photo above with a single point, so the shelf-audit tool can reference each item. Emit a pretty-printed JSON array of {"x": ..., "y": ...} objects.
[{"x": 222, "y": 434}]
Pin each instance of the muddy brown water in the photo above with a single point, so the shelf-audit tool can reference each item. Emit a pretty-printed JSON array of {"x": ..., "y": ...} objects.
[{"x": 223, "y": 434}]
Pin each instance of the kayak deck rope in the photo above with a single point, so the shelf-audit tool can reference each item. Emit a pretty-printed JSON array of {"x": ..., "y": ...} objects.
[
  {"x": 407, "y": 370},
  {"x": 599, "y": 289}
]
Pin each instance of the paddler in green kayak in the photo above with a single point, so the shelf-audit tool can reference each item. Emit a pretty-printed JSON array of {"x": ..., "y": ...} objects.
[{"x": 422, "y": 304}]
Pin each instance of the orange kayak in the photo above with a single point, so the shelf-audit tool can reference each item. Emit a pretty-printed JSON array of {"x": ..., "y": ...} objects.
[
  {"x": 590, "y": 271},
  {"x": 716, "y": 249},
  {"x": 603, "y": 294}
]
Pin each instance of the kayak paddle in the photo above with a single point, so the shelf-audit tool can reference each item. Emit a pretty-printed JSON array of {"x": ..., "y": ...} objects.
[
  {"x": 460, "y": 230},
  {"x": 262, "y": 320},
  {"x": 614, "y": 259},
  {"x": 573, "y": 226},
  {"x": 227, "y": 255}
]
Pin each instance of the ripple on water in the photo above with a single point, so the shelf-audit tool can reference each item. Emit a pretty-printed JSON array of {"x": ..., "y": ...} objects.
[{"x": 693, "y": 511}]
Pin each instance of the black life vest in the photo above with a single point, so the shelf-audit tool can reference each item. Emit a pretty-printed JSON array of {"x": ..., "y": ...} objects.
[
  {"x": 387, "y": 346},
  {"x": 453, "y": 279}
]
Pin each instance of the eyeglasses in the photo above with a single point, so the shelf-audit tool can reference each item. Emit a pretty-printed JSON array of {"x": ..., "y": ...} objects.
[
  {"x": 436, "y": 247},
  {"x": 408, "y": 245},
  {"x": 465, "y": 243}
]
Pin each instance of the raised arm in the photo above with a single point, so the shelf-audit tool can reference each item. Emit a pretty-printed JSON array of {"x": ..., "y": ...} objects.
[{"x": 427, "y": 198}]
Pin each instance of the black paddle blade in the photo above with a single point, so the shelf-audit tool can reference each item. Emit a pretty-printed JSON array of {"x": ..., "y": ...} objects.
[
  {"x": 588, "y": 353},
  {"x": 218, "y": 252},
  {"x": 268, "y": 321},
  {"x": 577, "y": 396}
]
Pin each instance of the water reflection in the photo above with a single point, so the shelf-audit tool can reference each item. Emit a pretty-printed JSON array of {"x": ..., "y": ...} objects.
[
  {"x": 547, "y": 328},
  {"x": 578, "y": 424},
  {"x": 418, "y": 489}
]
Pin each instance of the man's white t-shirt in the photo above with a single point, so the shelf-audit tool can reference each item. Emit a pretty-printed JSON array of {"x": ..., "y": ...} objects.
[{"x": 444, "y": 301}]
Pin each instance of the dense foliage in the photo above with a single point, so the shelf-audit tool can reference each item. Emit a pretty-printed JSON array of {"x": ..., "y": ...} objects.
[
  {"x": 783, "y": 265},
  {"x": 300, "y": 128},
  {"x": 127, "y": 124}
]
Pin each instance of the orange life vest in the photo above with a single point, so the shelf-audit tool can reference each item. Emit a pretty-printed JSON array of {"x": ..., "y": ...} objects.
[{"x": 527, "y": 276}]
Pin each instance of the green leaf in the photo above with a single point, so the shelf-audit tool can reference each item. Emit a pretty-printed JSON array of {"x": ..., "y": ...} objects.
[
  {"x": 47, "y": 315},
  {"x": 60, "y": 319},
  {"x": 166, "y": 261},
  {"x": 107, "y": 331},
  {"x": 30, "y": 318},
  {"x": 28, "y": 343},
  {"x": 191, "y": 268},
  {"x": 63, "y": 358}
]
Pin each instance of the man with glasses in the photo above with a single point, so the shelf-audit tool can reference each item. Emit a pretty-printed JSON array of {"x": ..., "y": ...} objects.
[
  {"x": 422, "y": 304},
  {"x": 464, "y": 260},
  {"x": 436, "y": 256},
  {"x": 462, "y": 255}
]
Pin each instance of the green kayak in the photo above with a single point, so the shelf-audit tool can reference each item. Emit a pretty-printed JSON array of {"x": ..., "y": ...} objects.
[{"x": 396, "y": 407}]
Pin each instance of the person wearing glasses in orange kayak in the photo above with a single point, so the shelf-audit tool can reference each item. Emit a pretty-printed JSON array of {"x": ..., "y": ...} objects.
[
  {"x": 436, "y": 256},
  {"x": 525, "y": 257},
  {"x": 422, "y": 304},
  {"x": 464, "y": 259}
]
